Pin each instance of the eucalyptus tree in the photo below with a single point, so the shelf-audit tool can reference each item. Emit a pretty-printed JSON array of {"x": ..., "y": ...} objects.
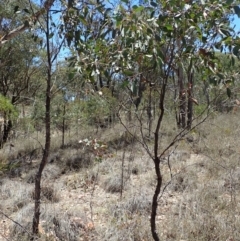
[
  {"x": 173, "y": 37},
  {"x": 170, "y": 36},
  {"x": 18, "y": 64},
  {"x": 52, "y": 47}
]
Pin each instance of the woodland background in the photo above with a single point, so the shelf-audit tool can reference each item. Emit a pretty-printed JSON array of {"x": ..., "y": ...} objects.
[{"x": 119, "y": 120}]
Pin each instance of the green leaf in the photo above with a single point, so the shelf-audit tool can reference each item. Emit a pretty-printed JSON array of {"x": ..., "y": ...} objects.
[
  {"x": 161, "y": 18},
  {"x": 71, "y": 75},
  {"x": 213, "y": 81},
  {"x": 51, "y": 35},
  {"x": 237, "y": 10},
  {"x": 204, "y": 39},
  {"x": 85, "y": 11},
  {"x": 153, "y": 4},
  {"x": 228, "y": 81},
  {"x": 128, "y": 72},
  {"x": 137, "y": 8},
  {"x": 211, "y": 69},
  {"x": 168, "y": 28},
  {"x": 26, "y": 10},
  {"x": 188, "y": 49},
  {"x": 7, "y": 107},
  {"x": 106, "y": 73},
  {"x": 125, "y": 54},
  {"x": 16, "y": 9},
  {"x": 152, "y": 14},
  {"x": 124, "y": 84},
  {"x": 236, "y": 50},
  {"x": 114, "y": 33},
  {"x": 35, "y": 38},
  {"x": 26, "y": 23},
  {"x": 77, "y": 35},
  {"x": 221, "y": 76},
  {"x": 229, "y": 92},
  {"x": 224, "y": 32},
  {"x": 82, "y": 19},
  {"x": 157, "y": 37},
  {"x": 149, "y": 31}
]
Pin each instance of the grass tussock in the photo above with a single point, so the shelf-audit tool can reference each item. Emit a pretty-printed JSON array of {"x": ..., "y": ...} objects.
[
  {"x": 14, "y": 195},
  {"x": 109, "y": 198}
]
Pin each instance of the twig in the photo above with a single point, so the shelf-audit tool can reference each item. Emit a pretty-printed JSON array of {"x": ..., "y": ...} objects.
[{"x": 24, "y": 229}]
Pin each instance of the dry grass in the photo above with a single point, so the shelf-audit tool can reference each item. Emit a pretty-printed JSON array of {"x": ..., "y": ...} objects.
[
  {"x": 14, "y": 195},
  {"x": 81, "y": 197}
]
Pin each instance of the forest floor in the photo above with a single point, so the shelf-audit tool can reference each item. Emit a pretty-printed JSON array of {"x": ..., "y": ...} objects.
[{"x": 110, "y": 200}]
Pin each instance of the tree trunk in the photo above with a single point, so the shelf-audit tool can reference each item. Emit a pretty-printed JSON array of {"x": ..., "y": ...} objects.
[
  {"x": 139, "y": 94},
  {"x": 7, "y": 126},
  {"x": 157, "y": 164},
  {"x": 100, "y": 81},
  {"x": 149, "y": 112},
  {"x": 182, "y": 99},
  {"x": 206, "y": 92},
  {"x": 190, "y": 102},
  {"x": 37, "y": 194},
  {"x": 63, "y": 126},
  {"x": 155, "y": 199}
]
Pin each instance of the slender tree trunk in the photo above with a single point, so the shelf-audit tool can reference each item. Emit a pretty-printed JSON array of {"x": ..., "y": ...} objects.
[
  {"x": 157, "y": 165},
  {"x": 63, "y": 125},
  {"x": 37, "y": 195},
  {"x": 190, "y": 102},
  {"x": 206, "y": 92},
  {"x": 100, "y": 81},
  {"x": 182, "y": 99},
  {"x": 176, "y": 107},
  {"x": 155, "y": 199},
  {"x": 154, "y": 105},
  {"x": 7, "y": 126},
  {"x": 156, "y": 157},
  {"x": 149, "y": 112},
  {"x": 139, "y": 94}
]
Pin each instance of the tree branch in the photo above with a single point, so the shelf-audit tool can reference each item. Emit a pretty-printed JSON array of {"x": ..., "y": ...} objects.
[
  {"x": 15, "y": 32},
  {"x": 24, "y": 229}
]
